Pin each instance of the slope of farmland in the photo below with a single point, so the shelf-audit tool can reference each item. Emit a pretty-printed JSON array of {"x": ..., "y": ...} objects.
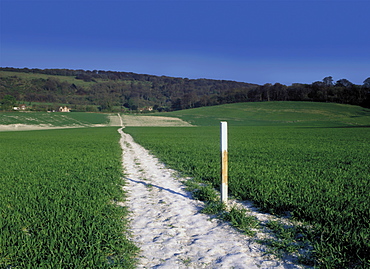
[
  {"x": 277, "y": 114},
  {"x": 309, "y": 170},
  {"x": 20, "y": 121},
  {"x": 287, "y": 158},
  {"x": 53, "y": 119}
]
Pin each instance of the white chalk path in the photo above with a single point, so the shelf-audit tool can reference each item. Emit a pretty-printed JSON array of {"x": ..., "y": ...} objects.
[{"x": 167, "y": 226}]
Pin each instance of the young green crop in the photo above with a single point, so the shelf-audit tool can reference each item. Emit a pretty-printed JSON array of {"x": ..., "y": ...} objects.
[
  {"x": 58, "y": 200},
  {"x": 318, "y": 175},
  {"x": 53, "y": 119},
  {"x": 279, "y": 113}
]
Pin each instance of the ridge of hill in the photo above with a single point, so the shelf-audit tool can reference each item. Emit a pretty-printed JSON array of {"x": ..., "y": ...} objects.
[
  {"x": 114, "y": 91},
  {"x": 109, "y": 91}
]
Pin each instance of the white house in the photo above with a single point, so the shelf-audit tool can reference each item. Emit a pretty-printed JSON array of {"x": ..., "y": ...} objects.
[
  {"x": 64, "y": 109},
  {"x": 20, "y": 107}
]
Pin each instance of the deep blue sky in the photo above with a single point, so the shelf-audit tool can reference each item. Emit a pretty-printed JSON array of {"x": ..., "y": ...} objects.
[{"x": 255, "y": 41}]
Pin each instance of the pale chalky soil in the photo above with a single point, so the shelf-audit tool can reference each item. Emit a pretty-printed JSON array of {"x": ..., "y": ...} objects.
[
  {"x": 168, "y": 228},
  {"x": 131, "y": 120}
]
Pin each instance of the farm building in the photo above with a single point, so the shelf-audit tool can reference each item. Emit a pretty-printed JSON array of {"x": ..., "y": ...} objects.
[
  {"x": 64, "y": 109},
  {"x": 20, "y": 107},
  {"x": 148, "y": 108}
]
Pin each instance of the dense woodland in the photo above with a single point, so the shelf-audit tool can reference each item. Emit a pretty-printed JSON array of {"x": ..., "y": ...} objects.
[{"x": 98, "y": 90}]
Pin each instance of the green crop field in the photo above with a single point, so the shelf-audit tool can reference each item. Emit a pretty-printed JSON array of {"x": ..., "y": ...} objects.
[
  {"x": 60, "y": 188},
  {"x": 53, "y": 119},
  {"x": 58, "y": 200},
  {"x": 277, "y": 114},
  {"x": 318, "y": 170}
]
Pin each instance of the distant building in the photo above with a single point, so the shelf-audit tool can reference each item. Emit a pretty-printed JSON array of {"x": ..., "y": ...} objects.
[
  {"x": 64, "y": 109},
  {"x": 148, "y": 108},
  {"x": 20, "y": 107}
]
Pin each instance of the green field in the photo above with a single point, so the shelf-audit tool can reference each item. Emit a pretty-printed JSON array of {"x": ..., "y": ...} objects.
[
  {"x": 277, "y": 114},
  {"x": 307, "y": 160},
  {"x": 58, "y": 200},
  {"x": 314, "y": 166},
  {"x": 53, "y": 119}
]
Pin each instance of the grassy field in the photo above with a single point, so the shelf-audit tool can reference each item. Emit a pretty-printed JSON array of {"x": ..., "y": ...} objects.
[
  {"x": 307, "y": 160},
  {"x": 53, "y": 119},
  {"x": 58, "y": 200},
  {"x": 277, "y": 114},
  {"x": 29, "y": 76},
  {"x": 313, "y": 166}
]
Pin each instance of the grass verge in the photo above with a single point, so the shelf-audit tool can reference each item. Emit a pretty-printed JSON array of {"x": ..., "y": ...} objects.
[{"x": 237, "y": 217}]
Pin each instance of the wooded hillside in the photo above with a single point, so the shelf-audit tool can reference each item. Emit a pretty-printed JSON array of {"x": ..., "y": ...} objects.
[{"x": 85, "y": 90}]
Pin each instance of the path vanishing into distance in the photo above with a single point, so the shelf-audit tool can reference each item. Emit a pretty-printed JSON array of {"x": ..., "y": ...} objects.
[
  {"x": 165, "y": 222},
  {"x": 167, "y": 226}
]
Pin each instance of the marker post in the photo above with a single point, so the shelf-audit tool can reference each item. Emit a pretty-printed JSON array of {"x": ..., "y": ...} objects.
[{"x": 224, "y": 162}]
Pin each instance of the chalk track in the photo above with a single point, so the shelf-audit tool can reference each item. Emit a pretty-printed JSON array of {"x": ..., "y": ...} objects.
[{"x": 167, "y": 226}]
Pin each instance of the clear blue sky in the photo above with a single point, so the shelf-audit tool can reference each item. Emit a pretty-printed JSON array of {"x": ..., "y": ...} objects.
[{"x": 255, "y": 41}]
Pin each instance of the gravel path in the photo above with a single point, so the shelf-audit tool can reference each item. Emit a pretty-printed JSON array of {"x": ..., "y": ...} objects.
[{"x": 167, "y": 226}]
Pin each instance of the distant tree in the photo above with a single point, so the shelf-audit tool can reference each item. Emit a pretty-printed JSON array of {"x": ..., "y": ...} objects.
[
  {"x": 188, "y": 100},
  {"x": 328, "y": 81},
  {"x": 298, "y": 92},
  {"x": 51, "y": 84},
  {"x": 366, "y": 92},
  {"x": 106, "y": 106},
  {"x": 241, "y": 96},
  {"x": 318, "y": 91},
  {"x": 8, "y": 102},
  {"x": 344, "y": 83},
  {"x": 84, "y": 77},
  {"x": 265, "y": 94},
  {"x": 278, "y": 92},
  {"x": 318, "y": 84},
  {"x": 127, "y": 105},
  {"x": 177, "y": 105},
  {"x": 366, "y": 83},
  {"x": 134, "y": 107}
]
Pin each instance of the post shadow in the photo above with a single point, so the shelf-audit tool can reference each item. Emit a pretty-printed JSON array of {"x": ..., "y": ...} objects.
[{"x": 156, "y": 186}]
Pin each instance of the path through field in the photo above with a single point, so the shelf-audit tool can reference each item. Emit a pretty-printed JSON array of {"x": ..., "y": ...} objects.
[{"x": 167, "y": 226}]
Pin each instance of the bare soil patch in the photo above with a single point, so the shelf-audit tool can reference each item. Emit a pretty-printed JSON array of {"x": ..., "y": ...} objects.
[
  {"x": 114, "y": 120},
  {"x": 131, "y": 120},
  {"x": 26, "y": 127}
]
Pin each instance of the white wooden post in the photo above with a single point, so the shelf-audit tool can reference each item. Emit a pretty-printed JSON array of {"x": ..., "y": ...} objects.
[{"x": 224, "y": 177}]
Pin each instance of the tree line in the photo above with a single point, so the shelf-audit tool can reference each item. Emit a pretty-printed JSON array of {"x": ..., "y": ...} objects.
[{"x": 86, "y": 90}]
